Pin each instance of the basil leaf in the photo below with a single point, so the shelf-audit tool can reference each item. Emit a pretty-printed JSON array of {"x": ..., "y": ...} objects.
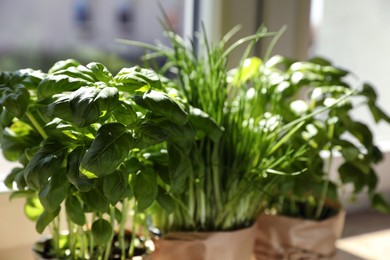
[
  {"x": 165, "y": 200},
  {"x": 205, "y": 124},
  {"x": 135, "y": 79},
  {"x": 55, "y": 84},
  {"x": 9, "y": 180},
  {"x": 161, "y": 104},
  {"x": 116, "y": 187},
  {"x": 74, "y": 210},
  {"x": 16, "y": 139},
  {"x": 79, "y": 72},
  {"x": 124, "y": 113},
  {"x": 33, "y": 208},
  {"x": 101, "y": 231},
  {"x": 179, "y": 168},
  {"x": 46, "y": 162},
  {"x": 15, "y": 99},
  {"x": 95, "y": 200},
  {"x": 45, "y": 219},
  {"x": 109, "y": 149},
  {"x": 81, "y": 182},
  {"x": 54, "y": 192},
  {"x": 63, "y": 64},
  {"x": 145, "y": 188},
  {"x": 84, "y": 106},
  {"x": 100, "y": 72}
]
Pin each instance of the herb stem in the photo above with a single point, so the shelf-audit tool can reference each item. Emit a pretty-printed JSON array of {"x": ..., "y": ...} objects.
[
  {"x": 36, "y": 125},
  {"x": 321, "y": 203},
  {"x": 121, "y": 232},
  {"x": 109, "y": 243}
]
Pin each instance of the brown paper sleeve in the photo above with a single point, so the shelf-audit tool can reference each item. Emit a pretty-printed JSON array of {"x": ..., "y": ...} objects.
[
  {"x": 279, "y": 237},
  {"x": 226, "y": 245}
]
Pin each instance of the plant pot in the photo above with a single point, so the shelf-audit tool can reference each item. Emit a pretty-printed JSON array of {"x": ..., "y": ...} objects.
[
  {"x": 227, "y": 245},
  {"x": 42, "y": 248},
  {"x": 280, "y": 237}
]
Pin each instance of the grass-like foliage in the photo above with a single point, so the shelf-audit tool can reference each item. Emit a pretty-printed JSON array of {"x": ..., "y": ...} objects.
[{"x": 219, "y": 176}]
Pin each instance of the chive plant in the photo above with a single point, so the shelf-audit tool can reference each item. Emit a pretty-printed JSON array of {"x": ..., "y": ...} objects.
[{"x": 220, "y": 177}]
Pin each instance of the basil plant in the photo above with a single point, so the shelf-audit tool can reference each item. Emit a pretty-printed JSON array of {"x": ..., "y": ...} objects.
[
  {"x": 81, "y": 136},
  {"x": 295, "y": 89}
]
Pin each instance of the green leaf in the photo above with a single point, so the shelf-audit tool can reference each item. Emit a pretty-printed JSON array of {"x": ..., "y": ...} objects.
[
  {"x": 379, "y": 203},
  {"x": 54, "y": 192},
  {"x": 165, "y": 200},
  {"x": 45, "y": 219},
  {"x": 74, "y": 210},
  {"x": 377, "y": 113},
  {"x": 5, "y": 118},
  {"x": 131, "y": 165},
  {"x": 80, "y": 72},
  {"x": 63, "y": 64},
  {"x": 248, "y": 70},
  {"x": 135, "y": 79},
  {"x": 350, "y": 173},
  {"x": 22, "y": 194},
  {"x": 95, "y": 200},
  {"x": 109, "y": 149},
  {"x": 100, "y": 71},
  {"x": 204, "y": 123},
  {"x": 101, "y": 231},
  {"x": 180, "y": 168},
  {"x": 145, "y": 188},
  {"x": 116, "y": 186},
  {"x": 81, "y": 182},
  {"x": 33, "y": 208},
  {"x": 17, "y": 138},
  {"x": 45, "y": 163},
  {"x": 163, "y": 105},
  {"x": 84, "y": 106},
  {"x": 9, "y": 180},
  {"x": 361, "y": 131},
  {"x": 124, "y": 113},
  {"x": 15, "y": 99},
  {"x": 56, "y": 84}
]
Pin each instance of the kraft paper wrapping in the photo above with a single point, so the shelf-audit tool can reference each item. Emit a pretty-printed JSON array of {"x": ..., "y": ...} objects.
[
  {"x": 226, "y": 245},
  {"x": 279, "y": 237}
]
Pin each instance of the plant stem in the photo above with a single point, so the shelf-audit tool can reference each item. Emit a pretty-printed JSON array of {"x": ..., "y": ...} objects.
[
  {"x": 82, "y": 242},
  {"x": 121, "y": 232},
  {"x": 56, "y": 236},
  {"x": 216, "y": 177},
  {"x": 91, "y": 236},
  {"x": 133, "y": 236},
  {"x": 107, "y": 252},
  {"x": 71, "y": 238},
  {"x": 321, "y": 202},
  {"x": 36, "y": 125}
]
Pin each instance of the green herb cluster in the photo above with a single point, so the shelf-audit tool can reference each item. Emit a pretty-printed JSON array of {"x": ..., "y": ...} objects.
[
  {"x": 80, "y": 135},
  {"x": 223, "y": 175},
  {"x": 295, "y": 89}
]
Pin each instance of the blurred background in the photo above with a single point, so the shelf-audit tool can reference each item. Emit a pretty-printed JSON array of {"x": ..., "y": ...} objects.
[
  {"x": 37, "y": 33},
  {"x": 353, "y": 34}
]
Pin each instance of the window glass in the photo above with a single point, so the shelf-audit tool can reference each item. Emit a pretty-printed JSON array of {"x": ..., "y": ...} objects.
[
  {"x": 354, "y": 34},
  {"x": 37, "y": 33}
]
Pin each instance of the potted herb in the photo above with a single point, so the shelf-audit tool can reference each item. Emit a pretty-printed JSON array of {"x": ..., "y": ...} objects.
[
  {"x": 80, "y": 135},
  {"x": 217, "y": 175},
  {"x": 309, "y": 205}
]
